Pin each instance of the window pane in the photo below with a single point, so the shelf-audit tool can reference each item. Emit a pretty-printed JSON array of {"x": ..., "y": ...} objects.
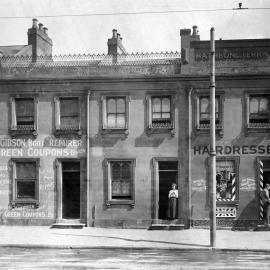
[
  {"x": 126, "y": 188},
  {"x": 166, "y": 115},
  {"x": 111, "y": 121},
  {"x": 111, "y": 105},
  {"x": 24, "y": 108},
  {"x": 25, "y": 189},
  {"x": 116, "y": 188},
  {"x": 69, "y": 121},
  {"x": 225, "y": 178},
  {"x": 115, "y": 171},
  {"x": 217, "y": 104},
  {"x": 166, "y": 105},
  {"x": 254, "y": 105},
  {"x": 205, "y": 116},
  {"x": 264, "y": 105},
  {"x": 25, "y": 170},
  {"x": 156, "y": 105},
  {"x": 205, "y": 105},
  {"x": 121, "y": 105},
  {"x": 126, "y": 170},
  {"x": 120, "y": 121},
  {"x": 69, "y": 107},
  {"x": 156, "y": 115}
]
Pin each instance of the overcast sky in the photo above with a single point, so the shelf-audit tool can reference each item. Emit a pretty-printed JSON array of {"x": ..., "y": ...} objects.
[{"x": 140, "y": 32}]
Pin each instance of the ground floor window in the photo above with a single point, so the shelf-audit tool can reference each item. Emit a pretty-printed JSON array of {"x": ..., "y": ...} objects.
[
  {"x": 120, "y": 181},
  {"x": 227, "y": 184},
  {"x": 25, "y": 181}
]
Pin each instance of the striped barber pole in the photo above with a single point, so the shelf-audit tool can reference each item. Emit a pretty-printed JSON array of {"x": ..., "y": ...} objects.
[
  {"x": 261, "y": 188},
  {"x": 232, "y": 176}
]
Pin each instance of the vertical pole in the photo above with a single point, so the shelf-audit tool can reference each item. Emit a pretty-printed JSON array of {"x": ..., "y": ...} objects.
[
  {"x": 212, "y": 180},
  {"x": 88, "y": 162}
]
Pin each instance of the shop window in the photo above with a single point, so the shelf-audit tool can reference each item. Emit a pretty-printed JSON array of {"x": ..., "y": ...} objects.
[
  {"x": 120, "y": 177},
  {"x": 25, "y": 182},
  {"x": 115, "y": 110},
  {"x": 160, "y": 114},
  {"x": 258, "y": 113},
  {"x": 227, "y": 181},
  {"x": 67, "y": 115},
  {"x": 203, "y": 113},
  {"x": 23, "y": 116}
]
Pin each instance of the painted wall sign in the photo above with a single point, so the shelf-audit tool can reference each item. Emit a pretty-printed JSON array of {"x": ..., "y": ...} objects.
[
  {"x": 224, "y": 55},
  {"x": 248, "y": 184},
  {"x": 40, "y": 148},
  {"x": 233, "y": 150}
]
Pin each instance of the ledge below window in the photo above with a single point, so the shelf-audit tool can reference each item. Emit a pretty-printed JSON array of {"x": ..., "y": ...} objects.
[
  {"x": 23, "y": 132},
  {"x": 206, "y": 129},
  {"x": 258, "y": 127},
  {"x": 68, "y": 131},
  {"x": 227, "y": 202},
  {"x": 21, "y": 203},
  {"x": 156, "y": 128},
  {"x": 123, "y": 131},
  {"x": 110, "y": 203}
]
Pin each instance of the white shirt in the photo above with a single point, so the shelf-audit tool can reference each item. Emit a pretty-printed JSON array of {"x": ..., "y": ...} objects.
[{"x": 173, "y": 193}]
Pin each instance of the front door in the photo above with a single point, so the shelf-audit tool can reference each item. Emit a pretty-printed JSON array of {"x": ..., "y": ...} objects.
[
  {"x": 71, "y": 189},
  {"x": 167, "y": 176}
]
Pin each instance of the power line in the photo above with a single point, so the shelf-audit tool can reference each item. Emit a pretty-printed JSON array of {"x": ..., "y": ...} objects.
[{"x": 130, "y": 13}]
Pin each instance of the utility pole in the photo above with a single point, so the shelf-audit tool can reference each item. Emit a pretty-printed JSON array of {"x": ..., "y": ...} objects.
[{"x": 212, "y": 180}]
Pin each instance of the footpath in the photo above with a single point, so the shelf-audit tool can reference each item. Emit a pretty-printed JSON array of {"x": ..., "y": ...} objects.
[{"x": 45, "y": 237}]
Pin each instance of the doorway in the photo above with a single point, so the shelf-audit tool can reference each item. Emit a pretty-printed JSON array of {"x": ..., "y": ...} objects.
[
  {"x": 71, "y": 189},
  {"x": 167, "y": 174}
]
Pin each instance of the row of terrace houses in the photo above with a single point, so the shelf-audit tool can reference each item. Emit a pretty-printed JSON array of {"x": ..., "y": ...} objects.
[{"x": 100, "y": 139}]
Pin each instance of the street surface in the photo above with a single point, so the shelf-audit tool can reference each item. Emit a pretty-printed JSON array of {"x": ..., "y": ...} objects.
[{"x": 129, "y": 259}]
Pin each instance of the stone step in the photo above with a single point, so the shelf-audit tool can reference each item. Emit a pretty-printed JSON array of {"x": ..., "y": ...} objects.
[
  {"x": 66, "y": 225},
  {"x": 168, "y": 227}
]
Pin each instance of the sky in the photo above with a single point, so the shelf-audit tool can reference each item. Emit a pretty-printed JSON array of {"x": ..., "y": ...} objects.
[{"x": 140, "y": 32}]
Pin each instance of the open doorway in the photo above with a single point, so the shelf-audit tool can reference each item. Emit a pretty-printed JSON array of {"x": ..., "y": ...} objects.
[
  {"x": 168, "y": 174},
  {"x": 71, "y": 189}
]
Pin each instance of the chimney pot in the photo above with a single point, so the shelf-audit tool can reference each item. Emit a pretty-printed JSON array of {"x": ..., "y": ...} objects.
[
  {"x": 195, "y": 30},
  {"x": 45, "y": 29},
  {"x": 114, "y": 33},
  {"x": 34, "y": 25},
  {"x": 40, "y": 26}
]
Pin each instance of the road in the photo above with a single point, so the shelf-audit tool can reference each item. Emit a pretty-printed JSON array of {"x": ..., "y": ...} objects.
[{"x": 127, "y": 259}]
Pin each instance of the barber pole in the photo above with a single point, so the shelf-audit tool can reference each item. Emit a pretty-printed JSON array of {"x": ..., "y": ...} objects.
[{"x": 261, "y": 188}]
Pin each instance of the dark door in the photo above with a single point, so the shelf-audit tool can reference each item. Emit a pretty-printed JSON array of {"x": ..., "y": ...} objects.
[
  {"x": 167, "y": 176},
  {"x": 71, "y": 189}
]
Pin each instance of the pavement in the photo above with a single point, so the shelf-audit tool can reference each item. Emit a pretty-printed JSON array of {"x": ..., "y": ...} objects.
[{"x": 88, "y": 237}]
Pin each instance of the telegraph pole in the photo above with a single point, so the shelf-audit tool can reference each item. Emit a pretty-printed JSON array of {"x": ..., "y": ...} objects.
[{"x": 212, "y": 180}]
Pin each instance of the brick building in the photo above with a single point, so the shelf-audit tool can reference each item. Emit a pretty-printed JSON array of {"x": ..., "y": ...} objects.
[{"x": 99, "y": 139}]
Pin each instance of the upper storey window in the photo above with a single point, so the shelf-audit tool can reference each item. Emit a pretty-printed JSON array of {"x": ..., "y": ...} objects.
[
  {"x": 23, "y": 116},
  {"x": 259, "y": 110},
  {"x": 161, "y": 112},
  {"x": 67, "y": 116}
]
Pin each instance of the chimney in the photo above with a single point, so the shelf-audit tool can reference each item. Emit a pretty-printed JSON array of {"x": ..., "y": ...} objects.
[
  {"x": 39, "y": 39},
  {"x": 186, "y": 38},
  {"x": 195, "y": 33},
  {"x": 115, "y": 45}
]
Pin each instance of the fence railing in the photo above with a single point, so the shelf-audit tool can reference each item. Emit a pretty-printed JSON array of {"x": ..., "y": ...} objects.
[{"x": 90, "y": 60}]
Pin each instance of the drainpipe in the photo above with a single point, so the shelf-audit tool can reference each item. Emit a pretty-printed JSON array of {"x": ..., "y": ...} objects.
[
  {"x": 190, "y": 90},
  {"x": 88, "y": 162}
]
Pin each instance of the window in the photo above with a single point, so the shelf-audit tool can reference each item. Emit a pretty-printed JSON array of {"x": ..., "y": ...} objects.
[
  {"x": 25, "y": 182},
  {"x": 227, "y": 183},
  {"x": 67, "y": 116},
  {"x": 202, "y": 101},
  {"x": 23, "y": 116},
  {"x": 115, "y": 113},
  {"x": 120, "y": 174},
  {"x": 204, "y": 111},
  {"x": 259, "y": 111},
  {"x": 160, "y": 114}
]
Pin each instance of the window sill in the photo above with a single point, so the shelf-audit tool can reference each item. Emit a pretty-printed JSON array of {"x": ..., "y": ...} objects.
[
  {"x": 115, "y": 131},
  {"x": 110, "y": 203},
  {"x": 21, "y": 203},
  {"x": 23, "y": 132},
  {"x": 158, "y": 130},
  {"x": 68, "y": 131},
  {"x": 224, "y": 202},
  {"x": 205, "y": 129},
  {"x": 258, "y": 127}
]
